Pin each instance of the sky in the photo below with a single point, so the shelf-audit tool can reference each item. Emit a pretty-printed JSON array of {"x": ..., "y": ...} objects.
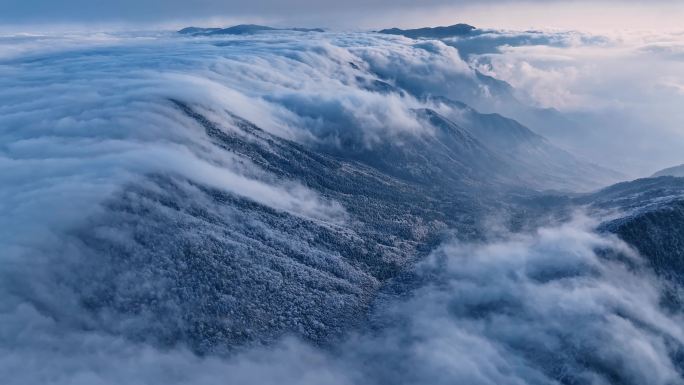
[{"x": 353, "y": 14}]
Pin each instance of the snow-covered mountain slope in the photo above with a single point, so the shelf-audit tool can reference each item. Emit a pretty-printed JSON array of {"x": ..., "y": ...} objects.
[
  {"x": 232, "y": 272},
  {"x": 536, "y": 157},
  {"x": 658, "y": 234},
  {"x": 677, "y": 171},
  {"x": 649, "y": 215},
  {"x": 640, "y": 194}
]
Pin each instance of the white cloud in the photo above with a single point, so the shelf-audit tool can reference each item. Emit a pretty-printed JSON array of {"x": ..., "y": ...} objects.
[
  {"x": 622, "y": 86},
  {"x": 526, "y": 309}
]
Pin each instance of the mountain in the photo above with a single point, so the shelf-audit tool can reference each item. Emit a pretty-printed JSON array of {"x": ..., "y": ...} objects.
[
  {"x": 230, "y": 272},
  {"x": 671, "y": 171},
  {"x": 216, "y": 257},
  {"x": 541, "y": 164},
  {"x": 648, "y": 214},
  {"x": 432, "y": 33},
  {"x": 322, "y": 197},
  {"x": 241, "y": 29},
  {"x": 197, "y": 31}
]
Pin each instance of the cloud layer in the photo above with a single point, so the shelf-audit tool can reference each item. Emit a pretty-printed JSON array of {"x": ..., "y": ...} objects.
[
  {"x": 544, "y": 308},
  {"x": 536, "y": 309},
  {"x": 624, "y": 85},
  {"x": 81, "y": 118}
]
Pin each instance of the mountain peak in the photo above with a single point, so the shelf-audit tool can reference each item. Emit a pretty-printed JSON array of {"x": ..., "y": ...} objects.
[
  {"x": 677, "y": 171},
  {"x": 460, "y": 29},
  {"x": 241, "y": 29}
]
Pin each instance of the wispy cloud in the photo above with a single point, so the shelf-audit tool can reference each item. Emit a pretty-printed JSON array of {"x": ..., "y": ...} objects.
[{"x": 622, "y": 85}]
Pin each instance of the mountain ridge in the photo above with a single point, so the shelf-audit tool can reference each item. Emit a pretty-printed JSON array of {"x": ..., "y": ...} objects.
[
  {"x": 677, "y": 171},
  {"x": 240, "y": 29},
  {"x": 459, "y": 29}
]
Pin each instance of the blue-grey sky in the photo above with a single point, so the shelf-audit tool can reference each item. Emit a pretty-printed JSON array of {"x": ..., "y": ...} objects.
[{"x": 625, "y": 14}]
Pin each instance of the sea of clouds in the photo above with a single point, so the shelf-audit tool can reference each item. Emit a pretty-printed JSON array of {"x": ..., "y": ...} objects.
[
  {"x": 83, "y": 115},
  {"x": 543, "y": 308}
]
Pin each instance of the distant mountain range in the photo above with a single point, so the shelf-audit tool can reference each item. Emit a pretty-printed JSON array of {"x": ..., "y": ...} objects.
[
  {"x": 242, "y": 29},
  {"x": 432, "y": 32},
  {"x": 245, "y": 29}
]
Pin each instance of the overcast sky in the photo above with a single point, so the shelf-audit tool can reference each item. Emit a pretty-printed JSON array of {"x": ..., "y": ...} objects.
[{"x": 594, "y": 15}]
